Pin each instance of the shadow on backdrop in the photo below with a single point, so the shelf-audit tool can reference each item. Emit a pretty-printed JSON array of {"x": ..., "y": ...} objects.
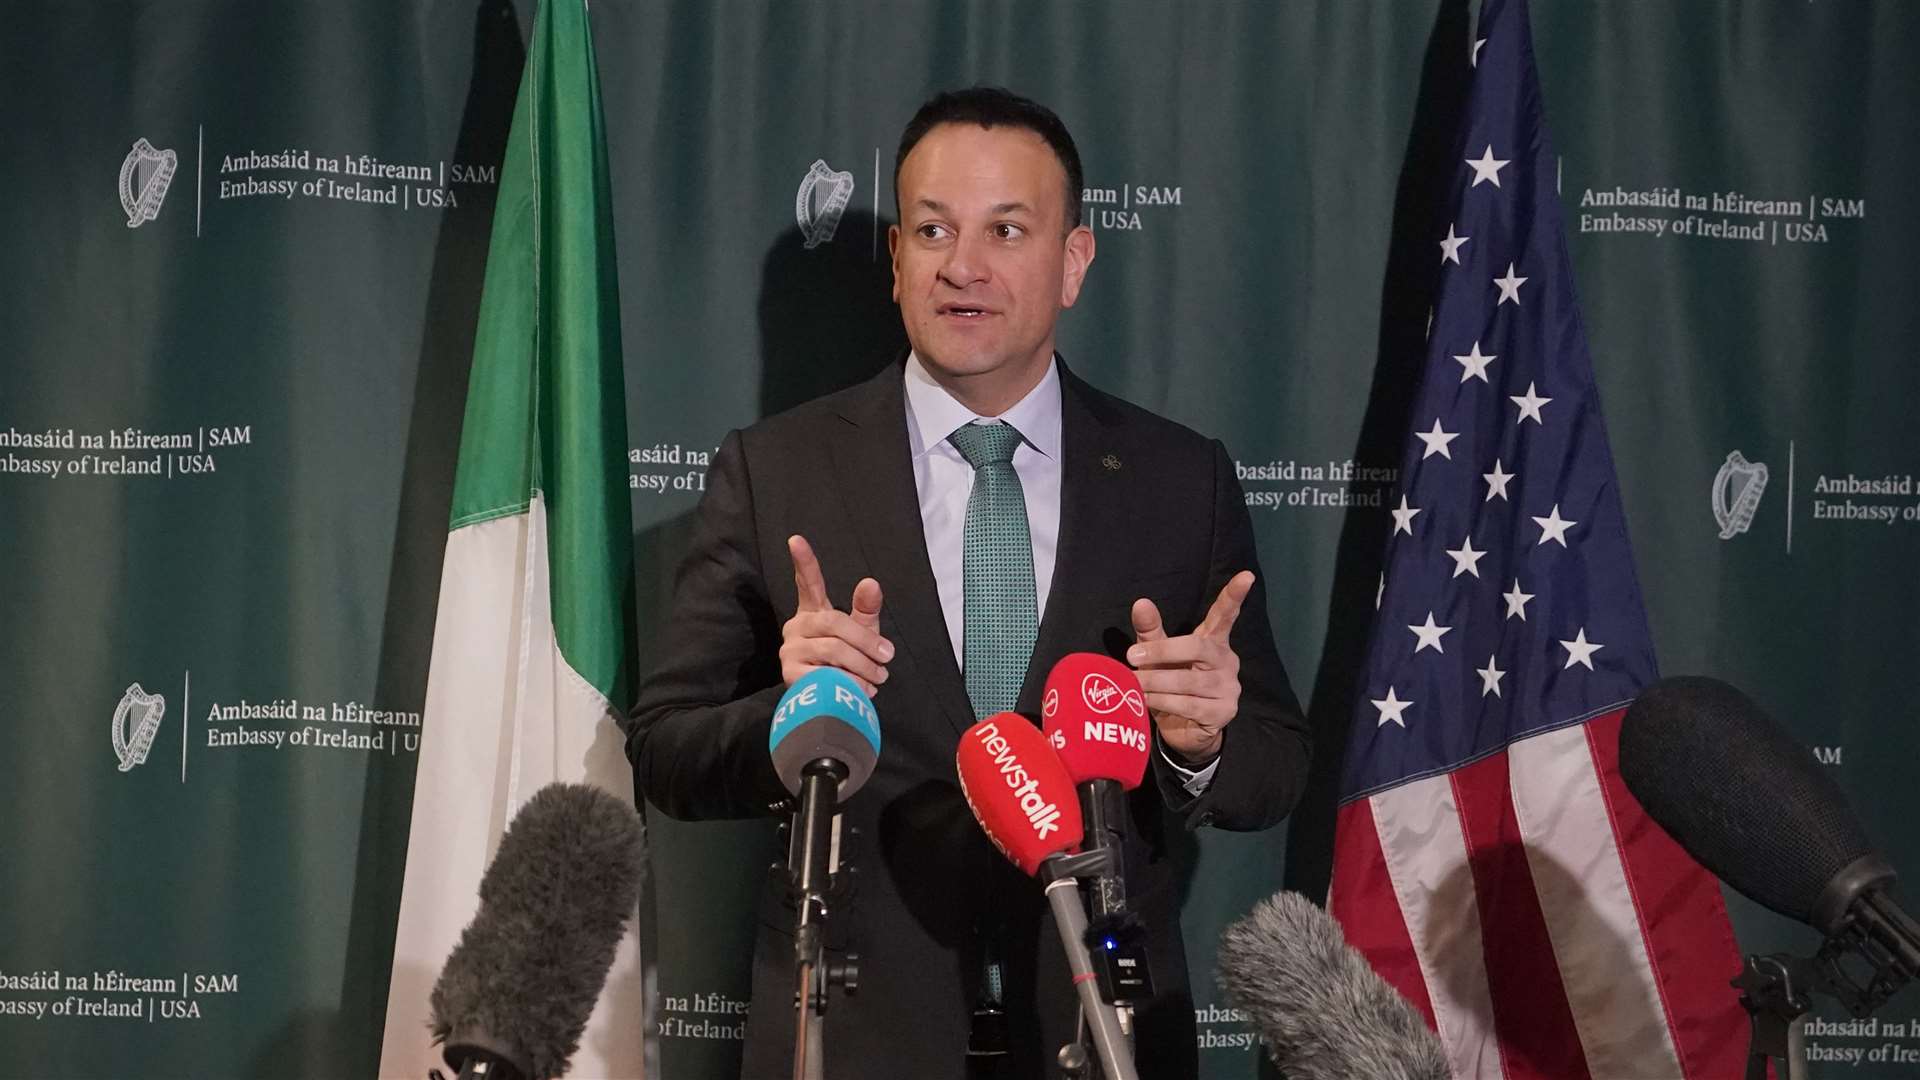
[
  {"x": 1419, "y": 220},
  {"x": 826, "y": 321},
  {"x": 827, "y": 316},
  {"x": 420, "y": 539}
]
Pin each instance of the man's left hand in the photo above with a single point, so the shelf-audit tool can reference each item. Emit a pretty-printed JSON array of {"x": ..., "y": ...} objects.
[{"x": 1192, "y": 682}]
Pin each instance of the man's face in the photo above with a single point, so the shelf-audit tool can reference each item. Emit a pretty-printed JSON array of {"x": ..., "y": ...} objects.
[{"x": 982, "y": 259}]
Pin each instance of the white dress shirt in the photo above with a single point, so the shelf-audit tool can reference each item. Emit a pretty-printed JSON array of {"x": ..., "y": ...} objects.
[{"x": 944, "y": 482}]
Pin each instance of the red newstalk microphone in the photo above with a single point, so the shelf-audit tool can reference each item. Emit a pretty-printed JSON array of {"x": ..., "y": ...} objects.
[
  {"x": 1018, "y": 790},
  {"x": 1096, "y": 718},
  {"x": 1024, "y": 800}
]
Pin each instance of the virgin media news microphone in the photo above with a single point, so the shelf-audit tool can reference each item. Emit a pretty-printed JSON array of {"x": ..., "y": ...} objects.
[
  {"x": 1320, "y": 1008},
  {"x": 517, "y": 990},
  {"x": 824, "y": 741},
  {"x": 1095, "y": 716},
  {"x": 1023, "y": 798}
]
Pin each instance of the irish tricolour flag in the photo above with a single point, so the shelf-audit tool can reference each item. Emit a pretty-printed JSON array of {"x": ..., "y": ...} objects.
[{"x": 533, "y": 647}]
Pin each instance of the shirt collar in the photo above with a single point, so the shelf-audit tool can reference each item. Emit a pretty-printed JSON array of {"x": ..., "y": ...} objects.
[{"x": 933, "y": 414}]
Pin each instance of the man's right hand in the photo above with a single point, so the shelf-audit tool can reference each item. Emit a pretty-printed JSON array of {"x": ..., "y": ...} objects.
[{"x": 820, "y": 636}]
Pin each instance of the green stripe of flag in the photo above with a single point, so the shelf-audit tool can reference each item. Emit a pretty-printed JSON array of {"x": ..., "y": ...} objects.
[{"x": 546, "y": 401}]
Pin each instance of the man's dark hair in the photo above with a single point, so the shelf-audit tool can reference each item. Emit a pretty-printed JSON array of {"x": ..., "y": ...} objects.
[{"x": 990, "y": 107}]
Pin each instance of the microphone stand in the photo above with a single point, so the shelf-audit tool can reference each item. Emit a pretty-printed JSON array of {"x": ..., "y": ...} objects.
[
  {"x": 1120, "y": 961},
  {"x": 1100, "y": 833},
  {"x": 812, "y": 858},
  {"x": 1871, "y": 951},
  {"x": 1775, "y": 992},
  {"x": 1060, "y": 875}
]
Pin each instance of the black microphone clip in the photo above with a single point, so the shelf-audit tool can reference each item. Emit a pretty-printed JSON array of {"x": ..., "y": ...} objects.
[
  {"x": 818, "y": 872},
  {"x": 1871, "y": 951},
  {"x": 1872, "y": 948}
]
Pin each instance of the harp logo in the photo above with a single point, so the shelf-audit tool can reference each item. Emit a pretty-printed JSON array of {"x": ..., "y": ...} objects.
[
  {"x": 821, "y": 200},
  {"x": 136, "y": 720},
  {"x": 144, "y": 178},
  {"x": 1737, "y": 488}
]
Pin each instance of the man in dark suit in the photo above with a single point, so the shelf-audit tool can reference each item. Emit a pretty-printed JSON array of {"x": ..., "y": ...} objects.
[{"x": 993, "y": 512}]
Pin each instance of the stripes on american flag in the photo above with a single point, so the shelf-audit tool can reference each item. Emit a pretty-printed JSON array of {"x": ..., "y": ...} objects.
[{"x": 1488, "y": 859}]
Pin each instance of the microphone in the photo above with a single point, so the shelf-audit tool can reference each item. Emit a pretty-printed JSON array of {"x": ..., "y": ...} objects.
[
  {"x": 1023, "y": 798},
  {"x": 1322, "y": 1010},
  {"x": 824, "y": 715},
  {"x": 517, "y": 990},
  {"x": 1749, "y": 803},
  {"x": 824, "y": 742},
  {"x": 1018, "y": 790},
  {"x": 1095, "y": 717},
  {"x": 1743, "y": 797}
]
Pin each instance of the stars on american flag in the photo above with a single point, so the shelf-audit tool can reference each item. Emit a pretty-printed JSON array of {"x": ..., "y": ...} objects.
[
  {"x": 1530, "y": 404},
  {"x": 1487, "y": 169},
  {"x": 1429, "y": 635},
  {"x": 1509, "y": 287},
  {"x": 1402, "y": 522},
  {"x": 1490, "y": 677},
  {"x": 1554, "y": 527},
  {"x": 1465, "y": 559},
  {"x": 1580, "y": 650},
  {"x": 1496, "y": 482},
  {"x": 1390, "y": 709},
  {"x": 1521, "y": 456},
  {"x": 1436, "y": 441},
  {"x": 1516, "y": 600},
  {"x": 1474, "y": 365}
]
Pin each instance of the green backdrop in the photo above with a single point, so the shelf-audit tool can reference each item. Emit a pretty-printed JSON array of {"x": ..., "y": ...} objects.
[{"x": 233, "y": 384}]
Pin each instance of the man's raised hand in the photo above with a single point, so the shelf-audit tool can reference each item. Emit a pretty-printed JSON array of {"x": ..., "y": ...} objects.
[
  {"x": 1191, "y": 682},
  {"x": 818, "y": 635}
]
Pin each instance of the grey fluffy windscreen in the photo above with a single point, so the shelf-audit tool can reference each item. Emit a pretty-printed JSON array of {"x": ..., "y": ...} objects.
[
  {"x": 553, "y": 906},
  {"x": 1740, "y": 794},
  {"x": 1321, "y": 1010}
]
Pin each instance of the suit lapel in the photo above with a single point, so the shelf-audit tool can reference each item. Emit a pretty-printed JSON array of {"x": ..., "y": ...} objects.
[
  {"x": 1092, "y": 515},
  {"x": 874, "y": 475}
]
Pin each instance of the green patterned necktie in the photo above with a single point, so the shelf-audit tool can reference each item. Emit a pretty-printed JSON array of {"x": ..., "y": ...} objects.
[{"x": 1001, "y": 613}]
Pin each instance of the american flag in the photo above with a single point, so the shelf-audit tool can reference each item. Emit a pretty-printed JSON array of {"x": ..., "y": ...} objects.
[{"x": 1488, "y": 859}]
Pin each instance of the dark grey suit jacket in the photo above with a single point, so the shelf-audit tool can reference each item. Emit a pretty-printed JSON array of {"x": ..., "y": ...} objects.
[{"x": 1148, "y": 508}]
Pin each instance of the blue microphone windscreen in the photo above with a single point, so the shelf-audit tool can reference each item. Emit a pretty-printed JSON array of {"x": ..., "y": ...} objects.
[{"x": 825, "y": 714}]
